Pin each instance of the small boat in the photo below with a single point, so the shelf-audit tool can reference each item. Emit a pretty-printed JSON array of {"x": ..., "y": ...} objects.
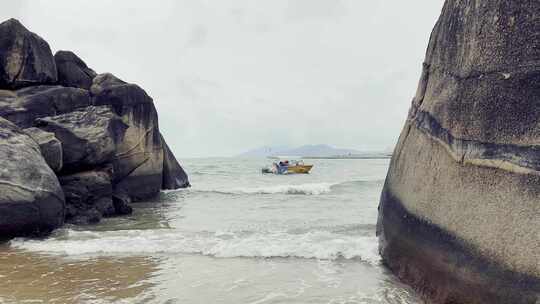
[
  {"x": 299, "y": 169},
  {"x": 288, "y": 167}
]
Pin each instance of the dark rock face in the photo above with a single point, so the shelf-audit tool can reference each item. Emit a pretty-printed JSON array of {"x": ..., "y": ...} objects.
[
  {"x": 31, "y": 200},
  {"x": 121, "y": 203},
  {"x": 174, "y": 176},
  {"x": 50, "y": 146},
  {"x": 25, "y": 58},
  {"x": 72, "y": 71},
  {"x": 107, "y": 89},
  {"x": 97, "y": 132},
  {"x": 138, "y": 167},
  {"x": 459, "y": 213},
  {"x": 24, "y": 106},
  {"x": 89, "y": 136},
  {"x": 88, "y": 196}
]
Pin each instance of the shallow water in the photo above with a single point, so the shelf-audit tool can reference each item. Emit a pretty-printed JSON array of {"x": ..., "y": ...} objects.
[{"x": 236, "y": 236}]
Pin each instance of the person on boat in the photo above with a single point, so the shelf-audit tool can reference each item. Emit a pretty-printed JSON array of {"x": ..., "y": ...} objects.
[{"x": 282, "y": 167}]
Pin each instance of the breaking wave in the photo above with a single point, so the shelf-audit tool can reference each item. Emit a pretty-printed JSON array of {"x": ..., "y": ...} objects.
[
  {"x": 299, "y": 189},
  {"x": 324, "y": 245},
  {"x": 302, "y": 189}
]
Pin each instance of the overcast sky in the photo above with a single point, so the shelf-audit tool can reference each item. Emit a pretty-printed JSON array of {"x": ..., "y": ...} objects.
[{"x": 227, "y": 76}]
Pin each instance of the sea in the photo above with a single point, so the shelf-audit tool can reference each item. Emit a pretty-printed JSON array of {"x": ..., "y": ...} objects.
[{"x": 236, "y": 236}]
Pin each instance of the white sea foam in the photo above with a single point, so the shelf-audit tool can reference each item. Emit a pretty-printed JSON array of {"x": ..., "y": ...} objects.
[
  {"x": 300, "y": 189},
  {"x": 314, "y": 244},
  {"x": 306, "y": 189}
]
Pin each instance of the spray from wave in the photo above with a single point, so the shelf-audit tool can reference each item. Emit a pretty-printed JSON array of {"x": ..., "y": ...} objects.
[{"x": 322, "y": 245}]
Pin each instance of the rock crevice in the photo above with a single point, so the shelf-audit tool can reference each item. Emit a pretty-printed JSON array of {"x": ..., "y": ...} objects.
[{"x": 514, "y": 158}]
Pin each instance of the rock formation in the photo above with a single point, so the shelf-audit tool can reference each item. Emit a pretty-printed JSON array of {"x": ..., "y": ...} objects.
[
  {"x": 74, "y": 145},
  {"x": 174, "y": 176},
  {"x": 88, "y": 195},
  {"x": 50, "y": 147},
  {"x": 89, "y": 136},
  {"x": 72, "y": 71},
  {"x": 459, "y": 216},
  {"x": 31, "y": 200},
  {"x": 25, "y": 58},
  {"x": 23, "y": 106},
  {"x": 138, "y": 167}
]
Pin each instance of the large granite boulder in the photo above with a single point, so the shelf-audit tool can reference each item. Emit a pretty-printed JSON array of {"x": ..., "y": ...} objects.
[
  {"x": 459, "y": 216},
  {"x": 25, "y": 58},
  {"x": 31, "y": 200},
  {"x": 23, "y": 106},
  {"x": 49, "y": 145},
  {"x": 139, "y": 157},
  {"x": 89, "y": 136},
  {"x": 72, "y": 71},
  {"x": 174, "y": 176}
]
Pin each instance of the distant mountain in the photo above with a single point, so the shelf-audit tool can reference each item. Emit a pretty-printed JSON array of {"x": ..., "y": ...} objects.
[
  {"x": 311, "y": 151},
  {"x": 319, "y": 150}
]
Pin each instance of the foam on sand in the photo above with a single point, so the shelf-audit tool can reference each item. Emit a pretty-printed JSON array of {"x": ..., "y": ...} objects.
[{"x": 323, "y": 245}]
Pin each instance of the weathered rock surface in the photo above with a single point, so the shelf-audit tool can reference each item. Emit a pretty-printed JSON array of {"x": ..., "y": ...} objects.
[
  {"x": 107, "y": 89},
  {"x": 88, "y": 196},
  {"x": 174, "y": 176},
  {"x": 50, "y": 146},
  {"x": 24, "y": 106},
  {"x": 89, "y": 136},
  {"x": 72, "y": 71},
  {"x": 138, "y": 167},
  {"x": 459, "y": 217},
  {"x": 25, "y": 58},
  {"x": 97, "y": 132},
  {"x": 31, "y": 200}
]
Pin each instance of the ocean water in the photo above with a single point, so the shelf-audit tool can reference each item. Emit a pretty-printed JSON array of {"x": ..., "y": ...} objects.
[{"x": 236, "y": 236}]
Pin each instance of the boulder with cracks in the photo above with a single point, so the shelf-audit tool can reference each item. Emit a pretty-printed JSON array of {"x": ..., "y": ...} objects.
[{"x": 89, "y": 136}]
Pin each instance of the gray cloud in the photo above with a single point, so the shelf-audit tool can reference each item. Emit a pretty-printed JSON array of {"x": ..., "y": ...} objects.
[
  {"x": 308, "y": 9},
  {"x": 198, "y": 36},
  {"x": 231, "y": 75}
]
